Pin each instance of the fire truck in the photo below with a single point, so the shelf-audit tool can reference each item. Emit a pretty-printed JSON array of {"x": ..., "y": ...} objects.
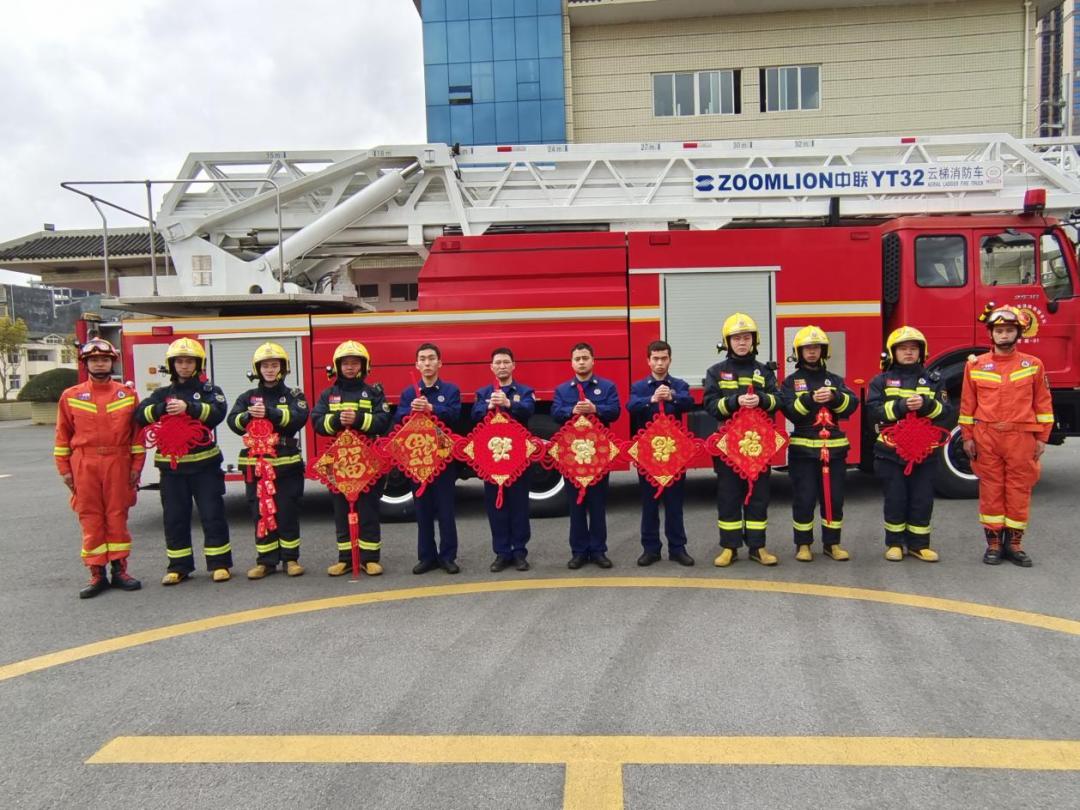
[{"x": 540, "y": 247}]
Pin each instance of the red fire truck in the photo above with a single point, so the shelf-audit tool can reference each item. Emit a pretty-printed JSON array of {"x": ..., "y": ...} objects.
[{"x": 560, "y": 259}]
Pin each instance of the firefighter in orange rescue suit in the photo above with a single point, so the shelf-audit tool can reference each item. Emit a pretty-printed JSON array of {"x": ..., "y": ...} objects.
[
  {"x": 100, "y": 459},
  {"x": 1005, "y": 420}
]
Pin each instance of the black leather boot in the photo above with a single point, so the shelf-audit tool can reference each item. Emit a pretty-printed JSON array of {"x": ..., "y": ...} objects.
[
  {"x": 98, "y": 583},
  {"x": 120, "y": 577},
  {"x": 992, "y": 555}
]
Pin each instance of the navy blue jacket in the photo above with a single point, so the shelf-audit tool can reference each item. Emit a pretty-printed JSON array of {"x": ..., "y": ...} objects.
[
  {"x": 641, "y": 407},
  {"x": 372, "y": 412},
  {"x": 445, "y": 398},
  {"x": 602, "y": 393},
  {"x": 205, "y": 402},
  {"x": 522, "y": 402}
]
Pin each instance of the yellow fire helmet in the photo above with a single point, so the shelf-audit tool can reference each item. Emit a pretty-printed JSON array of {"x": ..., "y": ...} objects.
[
  {"x": 270, "y": 351},
  {"x": 737, "y": 324},
  {"x": 811, "y": 336},
  {"x": 352, "y": 348},
  {"x": 97, "y": 347},
  {"x": 186, "y": 347},
  {"x": 903, "y": 335}
]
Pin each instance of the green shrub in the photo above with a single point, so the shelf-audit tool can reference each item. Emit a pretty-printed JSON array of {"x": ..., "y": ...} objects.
[{"x": 48, "y": 386}]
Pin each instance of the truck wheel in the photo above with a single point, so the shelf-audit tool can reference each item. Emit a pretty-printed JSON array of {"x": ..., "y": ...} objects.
[
  {"x": 397, "y": 503},
  {"x": 954, "y": 477},
  {"x": 546, "y": 496}
]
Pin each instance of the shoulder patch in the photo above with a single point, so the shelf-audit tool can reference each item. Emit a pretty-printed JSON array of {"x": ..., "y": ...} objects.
[
  {"x": 935, "y": 375},
  {"x": 386, "y": 406},
  {"x": 377, "y": 388},
  {"x": 296, "y": 392},
  {"x": 219, "y": 397},
  {"x": 208, "y": 387}
]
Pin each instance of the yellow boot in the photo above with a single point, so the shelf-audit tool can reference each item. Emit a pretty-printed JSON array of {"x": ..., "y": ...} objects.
[
  {"x": 259, "y": 571},
  {"x": 339, "y": 568},
  {"x": 837, "y": 552},
  {"x": 293, "y": 568},
  {"x": 372, "y": 569},
  {"x": 804, "y": 554},
  {"x": 925, "y": 554},
  {"x": 173, "y": 578},
  {"x": 764, "y": 556},
  {"x": 221, "y": 575},
  {"x": 726, "y": 558},
  {"x": 894, "y": 553}
]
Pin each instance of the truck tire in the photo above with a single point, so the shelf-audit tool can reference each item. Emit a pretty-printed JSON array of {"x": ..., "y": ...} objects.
[
  {"x": 954, "y": 477},
  {"x": 397, "y": 504},
  {"x": 546, "y": 487}
]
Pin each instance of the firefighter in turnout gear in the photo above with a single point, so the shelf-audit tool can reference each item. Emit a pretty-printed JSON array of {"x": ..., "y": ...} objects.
[
  {"x": 99, "y": 457},
  {"x": 198, "y": 475},
  {"x": 810, "y": 396},
  {"x": 1005, "y": 420},
  {"x": 726, "y": 390},
  {"x": 906, "y": 387},
  {"x": 287, "y": 411},
  {"x": 353, "y": 403}
]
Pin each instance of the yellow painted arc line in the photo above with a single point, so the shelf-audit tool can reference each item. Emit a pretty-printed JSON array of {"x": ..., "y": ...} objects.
[
  {"x": 973, "y": 609},
  {"x": 596, "y": 754}
]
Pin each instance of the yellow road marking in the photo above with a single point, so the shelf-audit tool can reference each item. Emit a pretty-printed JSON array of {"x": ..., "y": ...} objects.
[
  {"x": 594, "y": 764},
  {"x": 974, "y": 609}
]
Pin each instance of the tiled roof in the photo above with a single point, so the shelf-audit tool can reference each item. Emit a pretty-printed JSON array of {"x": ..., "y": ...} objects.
[{"x": 81, "y": 246}]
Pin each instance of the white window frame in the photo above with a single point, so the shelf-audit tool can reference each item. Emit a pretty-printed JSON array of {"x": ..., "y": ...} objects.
[
  {"x": 730, "y": 75},
  {"x": 782, "y": 96}
]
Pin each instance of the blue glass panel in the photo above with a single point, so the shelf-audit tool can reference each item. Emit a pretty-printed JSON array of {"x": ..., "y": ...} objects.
[
  {"x": 435, "y": 43},
  {"x": 438, "y": 124},
  {"x": 550, "y": 34},
  {"x": 529, "y": 122},
  {"x": 528, "y": 91},
  {"x": 460, "y": 73},
  {"x": 553, "y": 121},
  {"x": 461, "y": 124},
  {"x": 506, "y": 122},
  {"x": 502, "y": 33},
  {"x": 434, "y": 10},
  {"x": 480, "y": 41},
  {"x": 479, "y": 9},
  {"x": 551, "y": 78},
  {"x": 483, "y": 82},
  {"x": 542, "y": 7},
  {"x": 457, "y": 41},
  {"x": 525, "y": 37},
  {"x": 483, "y": 118},
  {"x": 456, "y": 9},
  {"x": 528, "y": 70},
  {"x": 502, "y": 8},
  {"x": 523, "y": 8},
  {"x": 506, "y": 82},
  {"x": 435, "y": 82}
]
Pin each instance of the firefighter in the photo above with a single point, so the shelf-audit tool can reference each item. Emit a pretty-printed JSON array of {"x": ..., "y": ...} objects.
[
  {"x": 99, "y": 457},
  {"x": 586, "y": 393},
  {"x": 443, "y": 399},
  {"x": 198, "y": 475},
  {"x": 810, "y": 389},
  {"x": 352, "y": 402},
  {"x": 1005, "y": 420},
  {"x": 905, "y": 386},
  {"x": 510, "y": 530},
  {"x": 727, "y": 385},
  {"x": 287, "y": 411},
  {"x": 646, "y": 397}
]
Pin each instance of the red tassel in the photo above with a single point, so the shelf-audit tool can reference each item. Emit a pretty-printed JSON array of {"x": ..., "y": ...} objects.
[
  {"x": 354, "y": 538},
  {"x": 499, "y": 498}
]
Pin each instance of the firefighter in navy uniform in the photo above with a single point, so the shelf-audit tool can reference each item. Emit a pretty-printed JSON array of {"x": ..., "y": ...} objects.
[
  {"x": 726, "y": 390},
  {"x": 906, "y": 387},
  {"x": 351, "y": 402},
  {"x": 287, "y": 410},
  {"x": 808, "y": 390},
  {"x": 198, "y": 475}
]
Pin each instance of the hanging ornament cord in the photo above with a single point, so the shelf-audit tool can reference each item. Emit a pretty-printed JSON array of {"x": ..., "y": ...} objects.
[
  {"x": 659, "y": 490},
  {"x": 824, "y": 420},
  {"x": 581, "y": 398}
]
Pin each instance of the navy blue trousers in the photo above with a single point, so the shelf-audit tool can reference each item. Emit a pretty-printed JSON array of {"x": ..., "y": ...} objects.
[
  {"x": 510, "y": 530},
  {"x": 206, "y": 488},
  {"x": 437, "y": 504},
  {"x": 588, "y": 520},
  {"x": 672, "y": 500}
]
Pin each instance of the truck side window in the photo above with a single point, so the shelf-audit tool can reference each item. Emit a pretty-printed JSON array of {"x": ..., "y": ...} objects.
[
  {"x": 941, "y": 261},
  {"x": 1008, "y": 259},
  {"x": 1053, "y": 271}
]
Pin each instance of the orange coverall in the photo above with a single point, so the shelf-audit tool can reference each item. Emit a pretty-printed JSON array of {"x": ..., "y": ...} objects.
[
  {"x": 97, "y": 441},
  {"x": 1005, "y": 407}
]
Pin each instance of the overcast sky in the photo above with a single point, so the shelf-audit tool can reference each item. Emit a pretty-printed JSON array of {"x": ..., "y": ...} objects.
[{"x": 125, "y": 89}]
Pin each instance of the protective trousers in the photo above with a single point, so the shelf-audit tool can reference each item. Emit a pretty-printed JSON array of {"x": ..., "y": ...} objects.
[
  {"x": 207, "y": 489},
  {"x": 808, "y": 492},
  {"x": 282, "y": 543},
  {"x": 741, "y": 523},
  {"x": 1007, "y": 469},
  {"x": 588, "y": 519},
  {"x": 510, "y": 530},
  {"x": 672, "y": 499},
  {"x": 367, "y": 507},
  {"x": 101, "y": 501},
  {"x": 909, "y": 501},
  {"x": 437, "y": 503}
]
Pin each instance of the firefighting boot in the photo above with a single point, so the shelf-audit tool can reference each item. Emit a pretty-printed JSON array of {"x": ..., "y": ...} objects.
[
  {"x": 174, "y": 577},
  {"x": 726, "y": 557},
  {"x": 1014, "y": 553},
  {"x": 98, "y": 582},
  {"x": 338, "y": 569},
  {"x": 221, "y": 575},
  {"x": 372, "y": 569},
  {"x": 763, "y": 555},
  {"x": 260, "y": 571},
  {"x": 293, "y": 568},
  {"x": 837, "y": 552},
  {"x": 926, "y": 554},
  {"x": 804, "y": 554},
  {"x": 121, "y": 578},
  {"x": 992, "y": 555},
  {"x": 894, "y": 553}
]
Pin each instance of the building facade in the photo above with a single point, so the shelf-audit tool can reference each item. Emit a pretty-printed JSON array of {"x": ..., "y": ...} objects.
[{"x": 1059, "y": 72}]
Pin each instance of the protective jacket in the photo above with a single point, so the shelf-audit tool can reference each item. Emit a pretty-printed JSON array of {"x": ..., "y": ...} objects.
[
  {"x": 886, "y": 401},
  {"x": 1009, "y": 392},
  {"x": 797, "y": 401},
  {"x": 732, "y": 377},
  {"x": 205, "y": 402},
  {"x": 287, "y": 410},
  {"x": 369, "y": 402}
]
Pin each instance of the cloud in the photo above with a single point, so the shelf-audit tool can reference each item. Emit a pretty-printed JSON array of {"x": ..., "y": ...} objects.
[{"x": 125, "y": 90}]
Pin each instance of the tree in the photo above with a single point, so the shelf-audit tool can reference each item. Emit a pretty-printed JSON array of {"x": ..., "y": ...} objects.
[{"x": 12, "y": 337}]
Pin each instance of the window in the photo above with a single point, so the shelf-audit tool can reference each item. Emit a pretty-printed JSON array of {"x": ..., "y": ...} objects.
[
  {"x": 15, "y": 383},
  {"x": 1054, "y": 272},
  {"x": 38, "y": 356},
  {"x": 790, "y": 88},
  {"x": 710, "y": 92},
  {"x": 202, "y": 271},
  {"x": 1008, "y": 258},
  {"x": 368, "y": 292},
  {"x": 13, "y": 357},
  {"x": 941, "y": 261},
  {"x": 403, "y": 292}
]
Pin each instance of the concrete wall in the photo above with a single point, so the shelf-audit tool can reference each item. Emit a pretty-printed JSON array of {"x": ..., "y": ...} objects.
[{"x": 933, "y": 68}]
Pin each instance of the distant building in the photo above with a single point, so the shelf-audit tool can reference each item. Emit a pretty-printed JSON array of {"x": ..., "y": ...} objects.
[{"x": 40, "y": 353}]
